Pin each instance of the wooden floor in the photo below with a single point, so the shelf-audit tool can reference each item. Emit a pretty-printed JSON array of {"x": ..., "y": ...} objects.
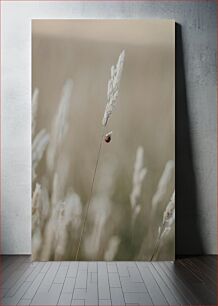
[{"x": 188, "y": 281}]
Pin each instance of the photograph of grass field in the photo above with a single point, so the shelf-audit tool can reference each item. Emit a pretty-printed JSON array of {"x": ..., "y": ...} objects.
[{"x": 103, "y": 140}]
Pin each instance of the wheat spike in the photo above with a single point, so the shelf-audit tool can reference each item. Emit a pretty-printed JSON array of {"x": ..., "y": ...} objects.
[
  {"x": 113, "y": 87},
  {"x": 98, "y": 216},
  {"x": 34, "y": 109},
  {"x": 60, "y": 124},
  {"x": 67, "y": 224},
  {"x": 39, "y": 145},
  {"x": 167, "y": 222},
  {"x": 168, "y": 216},
  {"x": 163, "y": 184},
  {"x": 111, "y": 251},
  {"x": 138, "y": 177},
  {"x": 139, "y": 174}
]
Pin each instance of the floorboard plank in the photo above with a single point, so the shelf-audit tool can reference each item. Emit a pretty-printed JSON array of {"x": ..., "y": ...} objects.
[
  {"x": 168, "y": 293},
  {"x": 197, "y": 287},
  {"x": 65, "y": 299},
  {"x": 69, "y": 285},
  {"x": 49, "y": 277},
  {"x": 48, "y": 298},
  {"x": 151, "y": 284},
  {"x": 16, "y": 275},
  {"x": 104, "y": 302},
  {"x": 112, "y": 267},
  {"x": 210, "y": 261},
  {"x": 31, "y": 291},
  {"x": 114, "y": 280},
  {"x": 201, "y": 273},
  {"x": 16, "y": 263},
  {"x": 209, "y": 274},
  {"x": 18, "y": 295},
  {"x": 78, "y": 302},
  {"x": 184, "y": 289},
  {"x": 180, "y": 296},
  {"x": 29, "y": 275},
  {"x": 117, "y": 297},
  {"x": 103, "y": 282},
  {"x": 5, "y": 262},
  {"x": 61, "y": 274},
  {"x": 24, "y": 302},
  {"x": 73, "y": 268}
]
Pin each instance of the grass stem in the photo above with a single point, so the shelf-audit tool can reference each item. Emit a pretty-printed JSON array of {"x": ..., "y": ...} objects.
[{"x": 90, "y": 196}]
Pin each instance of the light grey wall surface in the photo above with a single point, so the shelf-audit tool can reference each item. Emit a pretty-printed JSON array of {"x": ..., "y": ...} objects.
[{"x": 198, "y": 24}]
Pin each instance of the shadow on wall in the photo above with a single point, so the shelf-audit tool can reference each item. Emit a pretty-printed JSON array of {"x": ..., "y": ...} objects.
[{"x": 188, "y": 235}]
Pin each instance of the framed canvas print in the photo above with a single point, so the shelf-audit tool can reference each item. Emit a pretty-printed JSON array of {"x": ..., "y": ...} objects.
[{"x": 103, "y": 140}]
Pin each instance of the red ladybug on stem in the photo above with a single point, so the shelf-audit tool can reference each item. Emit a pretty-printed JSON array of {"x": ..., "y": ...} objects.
[{"x": 107, "y": 137}]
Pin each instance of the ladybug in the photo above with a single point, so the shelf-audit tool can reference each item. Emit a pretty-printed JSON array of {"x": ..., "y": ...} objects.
[{"x": 107, "y": 137}]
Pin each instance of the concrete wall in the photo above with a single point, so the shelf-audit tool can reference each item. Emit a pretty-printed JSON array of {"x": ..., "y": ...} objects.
[{"x": 195, "y": 112}]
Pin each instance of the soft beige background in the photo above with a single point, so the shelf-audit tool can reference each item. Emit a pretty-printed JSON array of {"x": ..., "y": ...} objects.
[{"x": 84, "y": 51}]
